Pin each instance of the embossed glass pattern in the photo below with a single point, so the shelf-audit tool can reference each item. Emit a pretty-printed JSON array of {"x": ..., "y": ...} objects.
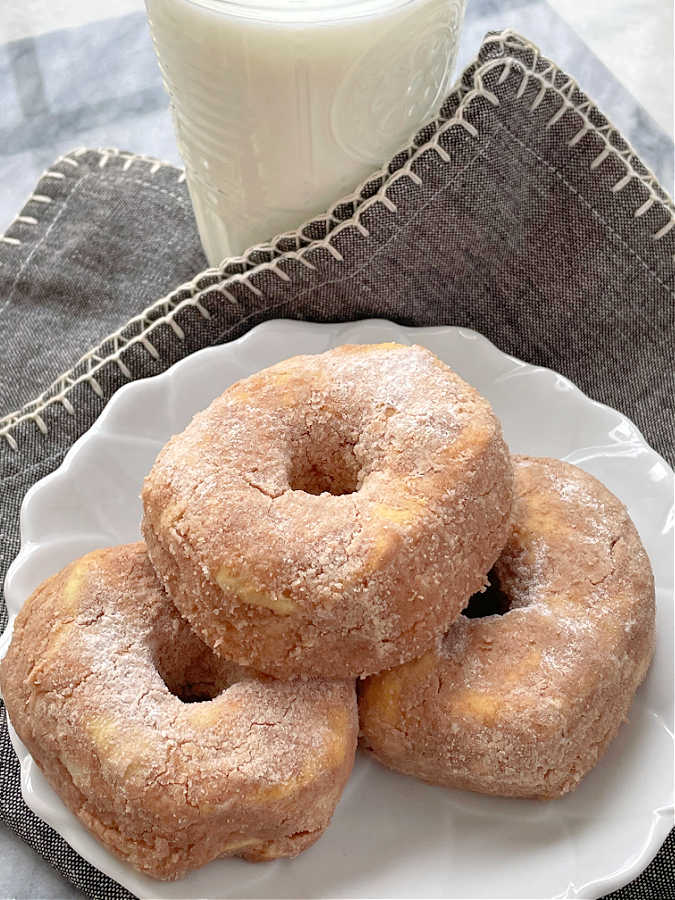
[{"x": 280, "y": 108}]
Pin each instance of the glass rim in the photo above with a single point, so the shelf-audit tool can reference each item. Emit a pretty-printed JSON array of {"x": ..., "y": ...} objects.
[{"x": 299, "y": 12}]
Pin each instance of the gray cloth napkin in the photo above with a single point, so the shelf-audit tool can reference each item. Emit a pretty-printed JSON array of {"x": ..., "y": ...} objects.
[{"x": 519, "y": 212}]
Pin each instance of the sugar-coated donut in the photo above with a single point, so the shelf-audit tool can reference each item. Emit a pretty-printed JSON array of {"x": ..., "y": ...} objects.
[
  {"x": 97, "y": 683},
  {"x": 329, "y": 515},
  {"x": 525, "y": 703}
]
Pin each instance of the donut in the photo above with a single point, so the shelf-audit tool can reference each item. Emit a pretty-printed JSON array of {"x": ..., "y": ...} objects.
[
  {"x": 330, "y": 515},
  {"x": 524, "y": 701},
  {"x": 168, "y": 755}
]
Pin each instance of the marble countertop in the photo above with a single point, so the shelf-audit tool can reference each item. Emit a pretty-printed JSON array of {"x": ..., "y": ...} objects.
[{"x": 76, "y": 72}]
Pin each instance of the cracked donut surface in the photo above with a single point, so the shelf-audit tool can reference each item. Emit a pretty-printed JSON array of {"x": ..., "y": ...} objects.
[
  {"x": 330, "y": 515},
  {"x": 98, "y": 681},
  {"x": 525, "y": 703}
]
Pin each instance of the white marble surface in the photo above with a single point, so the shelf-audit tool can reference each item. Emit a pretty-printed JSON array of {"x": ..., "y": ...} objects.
[
  {"x": 28, "y": 18},
  {"x": 76, "y": 72},
  {"x": 607, "y": 26}
]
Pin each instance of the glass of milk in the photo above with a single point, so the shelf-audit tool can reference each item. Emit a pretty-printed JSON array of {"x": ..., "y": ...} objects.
[{"x": 281, "y": 107}]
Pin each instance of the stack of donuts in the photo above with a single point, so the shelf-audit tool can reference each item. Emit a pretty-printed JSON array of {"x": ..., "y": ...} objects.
[{"x": 343, "y": 525}]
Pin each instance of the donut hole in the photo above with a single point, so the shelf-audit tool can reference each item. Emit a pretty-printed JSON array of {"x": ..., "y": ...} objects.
[
  {"x": 324, "y": 461},
  {"x": 191, "y": 670},
  {"x": 490, "y": 602}
]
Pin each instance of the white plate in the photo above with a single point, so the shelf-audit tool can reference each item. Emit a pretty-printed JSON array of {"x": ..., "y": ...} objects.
[{"x": 393, "y": 836}]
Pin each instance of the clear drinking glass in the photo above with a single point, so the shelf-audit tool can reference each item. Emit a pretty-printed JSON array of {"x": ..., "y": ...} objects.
[{"x": 282, "y": 106}]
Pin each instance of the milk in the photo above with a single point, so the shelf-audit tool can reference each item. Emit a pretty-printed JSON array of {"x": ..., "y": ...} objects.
[{"x": 280, "y": 109}]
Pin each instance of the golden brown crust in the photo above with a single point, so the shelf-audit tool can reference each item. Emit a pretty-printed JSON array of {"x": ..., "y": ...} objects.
[
  {"x": 301, "y": 523},
  {"x": 168, "y": 785},
  {"x": 524, "y": 704}
]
